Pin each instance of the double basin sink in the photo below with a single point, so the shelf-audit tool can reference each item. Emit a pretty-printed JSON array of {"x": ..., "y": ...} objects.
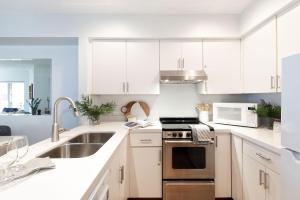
[{"x": 81, "y": 146}]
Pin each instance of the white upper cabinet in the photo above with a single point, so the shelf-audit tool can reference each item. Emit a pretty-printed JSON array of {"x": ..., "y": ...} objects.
[
  {"x": 222, "y": 63},
  {"x": 180, "y": 55},
  {"x": 259, "y": 60},
  {"x": 288, "y": 37},
  {"x": 125, "y": 67},
  {"x": 170, "y": 55},
  {"x": 143, "y": 67},
  {"x": 192, "y": 58},
  {"x": 109, "y": 67}
]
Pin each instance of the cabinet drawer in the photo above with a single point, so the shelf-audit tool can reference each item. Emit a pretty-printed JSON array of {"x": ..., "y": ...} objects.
[
  {"x": 267, "y": 158},
  {"x": 146, "y": 139}
]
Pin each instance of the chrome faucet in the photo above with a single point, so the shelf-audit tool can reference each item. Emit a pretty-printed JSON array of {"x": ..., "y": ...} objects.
[{"x": 55, "y": 127}]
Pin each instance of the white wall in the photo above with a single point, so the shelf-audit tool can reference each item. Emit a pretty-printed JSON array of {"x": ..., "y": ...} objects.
[
  {"x": 261, "y": 10},
  {"x": 124, "y": 26},
  {"x": 177, "y": 100},
  {"x": 65, "y": 83}
]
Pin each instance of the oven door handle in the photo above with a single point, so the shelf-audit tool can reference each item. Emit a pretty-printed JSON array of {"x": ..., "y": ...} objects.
[{"x": 185, "y": 142}]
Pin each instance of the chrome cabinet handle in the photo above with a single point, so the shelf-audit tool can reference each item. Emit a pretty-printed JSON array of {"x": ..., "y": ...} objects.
[
  {"x": 159, "y": 157},
  {"x": 122, "y": 174},
  {"x": 216, "y": 141},
  {"x": 263, "y": 157},
  {"x": 127, "y": 87},
  {"x": 261, "y": 175},
  {"x": 266, "y": 180},
  {"x": 272, "y": 82},
  {"x": 146, "y": 141},
  {"x": 178, "y": 64},
  {"x": 124, "y": 87},
  {"x": 278, "y": 81},
  {"x": 182, "y": 63}
]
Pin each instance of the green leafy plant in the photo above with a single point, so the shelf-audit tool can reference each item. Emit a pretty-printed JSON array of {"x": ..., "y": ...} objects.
[
  {"x": 34, "y": 105},
  {"x": 268, "y": 110},
  {"x": 93, "y": 112}
]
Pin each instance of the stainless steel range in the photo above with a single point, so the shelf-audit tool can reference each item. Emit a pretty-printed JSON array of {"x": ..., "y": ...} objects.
[{"x": 188, "y": 167}]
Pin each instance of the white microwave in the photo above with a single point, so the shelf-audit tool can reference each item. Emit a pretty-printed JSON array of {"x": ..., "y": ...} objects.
[{"x": 238, "y": 114}]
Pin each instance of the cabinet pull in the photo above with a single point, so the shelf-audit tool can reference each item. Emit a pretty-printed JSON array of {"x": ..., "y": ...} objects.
[
  {"x": 127, "y": 87},
  {"x": 146, "y": 141},
  {"x": 263, "y": 157},
  {"x": 216, "y": 141},
  {"x": 124, "y": 87},
  {"x": 278, "y": 82},
  {"x": 122, "y": 174},
  {"x": 261, "y": 175},
  {"x": 182, "y": 63},
  {"x": 266, "y": 180},
  {"x": 159, "y": 157},
  {"x": 272, "y": 82},
  {"x": 178, "y": 63}
]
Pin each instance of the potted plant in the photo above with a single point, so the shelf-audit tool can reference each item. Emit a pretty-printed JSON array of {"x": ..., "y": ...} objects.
[
  {"x": 268, "y": 113},
  {"x": 92, "y": 111},
  {"x": 34, "y": 105}
]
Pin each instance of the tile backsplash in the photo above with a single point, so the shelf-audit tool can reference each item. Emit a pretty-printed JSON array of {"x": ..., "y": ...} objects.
[{"x": 176, "y": 100}]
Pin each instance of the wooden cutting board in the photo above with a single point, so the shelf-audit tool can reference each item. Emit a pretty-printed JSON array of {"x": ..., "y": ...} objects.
[{"x": 127, "y": 109}]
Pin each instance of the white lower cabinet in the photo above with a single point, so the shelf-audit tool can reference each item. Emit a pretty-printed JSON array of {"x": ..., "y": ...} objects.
[
  {"x": 253, "y": 175},
  {"x": 237, "y": 167},
  {"x": 223, "y": 165},
  {"x": 145, "y": 166},
  {"x": 260, "y": 181},
  {"x": 119, "y": 183}
]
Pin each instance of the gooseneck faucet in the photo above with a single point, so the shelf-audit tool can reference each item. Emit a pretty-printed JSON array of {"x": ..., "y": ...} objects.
[{"x": 56, "y": 130}]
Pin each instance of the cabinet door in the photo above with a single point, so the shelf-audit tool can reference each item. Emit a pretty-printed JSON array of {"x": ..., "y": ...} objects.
[
  {"x": 253, "y": 177},
  {"x": 222, "y": 63},
  {"x": 223, "y": 165},
  {"x": 272, "y": 185},
  {"x": 124, "y": 170},
  {"x": 145, "y": 172},
  {"x": 237, "y": 167},
  {"x": 259, "y": 63},
  {"x": 288, "y": 37},
  {"x": 114, "y": 182},
  {"x": 192, "y": 55},
  {"x": 143, "y": 67},
  {"x": 170, "y": 55},
  {"x": 109, "y": 67}
]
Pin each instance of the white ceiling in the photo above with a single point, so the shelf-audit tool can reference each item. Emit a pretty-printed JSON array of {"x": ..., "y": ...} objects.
[{"x": 126, "y": 6}]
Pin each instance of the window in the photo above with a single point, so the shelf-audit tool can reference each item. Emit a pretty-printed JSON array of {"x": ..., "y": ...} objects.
[{"x": 12, "y": 95}]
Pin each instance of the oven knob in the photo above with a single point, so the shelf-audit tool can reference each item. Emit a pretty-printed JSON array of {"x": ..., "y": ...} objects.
[
  {"x": 180, "y": 134},
  {"x": 174, "y": 134},
  {"x": 188, "y": 135}
]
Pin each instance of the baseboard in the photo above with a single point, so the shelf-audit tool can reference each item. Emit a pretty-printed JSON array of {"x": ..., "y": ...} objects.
[
  {"x": 228, "y": 198},
  {"x": 144, "y": 199}
]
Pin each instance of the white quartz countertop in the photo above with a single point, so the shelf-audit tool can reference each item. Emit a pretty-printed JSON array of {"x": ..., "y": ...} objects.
[
  {"x": 73, "y": 177},
  {"x": 268, "y": 139}
]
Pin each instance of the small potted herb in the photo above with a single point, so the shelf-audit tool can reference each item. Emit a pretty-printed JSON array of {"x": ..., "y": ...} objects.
[
  {"x": 268, "y": 113},
  {"x": 34, "y": 105},
  {"x": 92, "y": 111}
]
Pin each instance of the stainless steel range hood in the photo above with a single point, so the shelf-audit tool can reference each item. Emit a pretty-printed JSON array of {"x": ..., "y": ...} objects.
[{"x": 182, "y": 76}]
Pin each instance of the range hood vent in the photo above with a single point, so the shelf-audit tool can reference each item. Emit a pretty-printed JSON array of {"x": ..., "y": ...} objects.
[{"x": 182, "y": 76}]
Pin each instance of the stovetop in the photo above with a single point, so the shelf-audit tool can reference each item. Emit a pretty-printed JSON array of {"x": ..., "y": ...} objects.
[{"x": 177, "y": 127}]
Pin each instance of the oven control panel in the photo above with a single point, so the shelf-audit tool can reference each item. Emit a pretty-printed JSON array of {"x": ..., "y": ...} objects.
[{"x": 177, "y": 134}]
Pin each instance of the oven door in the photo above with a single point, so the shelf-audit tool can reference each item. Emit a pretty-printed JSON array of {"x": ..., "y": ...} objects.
[
  {"x": 182, "y": 159},
  {"x": 188, "y": 190}
]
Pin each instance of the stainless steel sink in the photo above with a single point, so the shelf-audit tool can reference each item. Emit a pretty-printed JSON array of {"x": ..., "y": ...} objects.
[
  {"x": 72, "y": 151},
  {"x": 92, "y": 138},
  {"x": 81, "y": 146}
]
